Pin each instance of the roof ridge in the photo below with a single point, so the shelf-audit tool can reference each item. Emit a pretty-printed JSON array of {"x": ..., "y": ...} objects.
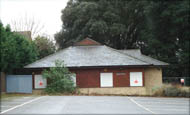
[
  {"x": 137, "y": 58},
  {"x": 125, "y": 54},
  {"x": 146, "y": 57},
  {"x": 154, "y": 59}
]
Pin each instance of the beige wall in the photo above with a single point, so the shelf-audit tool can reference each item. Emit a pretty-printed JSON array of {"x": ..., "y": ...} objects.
[
  {"x": 2, "y": 80},
  {"x": 37, "y": 91},
  {"x": 115, "y": 90},
  {"x": 153, "y": 79}
]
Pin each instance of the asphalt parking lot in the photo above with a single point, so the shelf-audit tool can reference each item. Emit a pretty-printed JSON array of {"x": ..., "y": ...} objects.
[{"x": 95, "y": 105}]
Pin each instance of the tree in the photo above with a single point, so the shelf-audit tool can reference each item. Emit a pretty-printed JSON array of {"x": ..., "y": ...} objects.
[
  {"x": 45, "y": 46},
  {"x": 16, "y": 50},
  {"x": 167, "y": 35},
  {"x": 116, "y": 23},
  {"x": 27, "y": 23},
  {"x": 60, "y": 80}
]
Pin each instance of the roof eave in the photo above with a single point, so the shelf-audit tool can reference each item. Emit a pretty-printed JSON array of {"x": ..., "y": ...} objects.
[{"x": 105, "y": 66}]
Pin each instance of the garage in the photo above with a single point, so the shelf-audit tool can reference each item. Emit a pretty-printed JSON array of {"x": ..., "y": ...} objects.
[{"x": 19, "y": 83}]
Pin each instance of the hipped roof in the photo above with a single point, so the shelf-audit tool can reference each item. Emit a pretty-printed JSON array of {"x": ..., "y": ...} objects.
[{"x": 96, "y": 56}]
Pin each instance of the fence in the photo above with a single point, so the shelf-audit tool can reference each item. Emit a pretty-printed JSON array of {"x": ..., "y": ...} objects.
[{"x": 176, "y": 80}]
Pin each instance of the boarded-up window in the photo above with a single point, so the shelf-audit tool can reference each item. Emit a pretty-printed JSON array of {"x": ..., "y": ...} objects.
[
  {"x": 88, "y": 78},
  {"x": 40, "y": 82},
  {"x": 136, "y": 79},
  {"x": 106, "y": 79}
]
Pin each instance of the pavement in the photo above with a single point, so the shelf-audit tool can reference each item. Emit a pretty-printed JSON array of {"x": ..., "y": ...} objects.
[{"x": 94, "y": 105}]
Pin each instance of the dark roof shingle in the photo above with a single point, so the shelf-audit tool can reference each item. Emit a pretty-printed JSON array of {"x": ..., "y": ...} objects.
[
  {"x": 84, "y": 56},
  {"x": 89, "y": 53}
]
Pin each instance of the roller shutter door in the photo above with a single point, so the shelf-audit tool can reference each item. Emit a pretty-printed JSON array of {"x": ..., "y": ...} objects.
[{"x": 19, "y": 83}]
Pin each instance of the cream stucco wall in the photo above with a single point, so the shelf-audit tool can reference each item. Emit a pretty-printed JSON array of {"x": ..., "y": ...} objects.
[
  {"x": 153, "y": 79},
  {"x": 115, "y": 91},
  {"x": 37, "y": 91}
]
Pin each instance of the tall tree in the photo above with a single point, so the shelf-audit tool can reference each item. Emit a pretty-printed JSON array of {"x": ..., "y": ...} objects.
[
  {"x": 115, "y": 22},
  {"x": 167, "y": 35},
  {"x": 16, "y": 50},
  {"x": 44, "y": 45}
]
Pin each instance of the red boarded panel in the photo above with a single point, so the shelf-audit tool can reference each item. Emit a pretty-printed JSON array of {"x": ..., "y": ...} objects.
[
  {"x": 88, "y": 78},
  {"x": 121, "y": 79}
]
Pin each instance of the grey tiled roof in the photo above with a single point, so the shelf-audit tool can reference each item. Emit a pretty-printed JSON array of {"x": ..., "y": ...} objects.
[
  {"x": 136, "y": 53},
  {"x": 89, "y": 56}
]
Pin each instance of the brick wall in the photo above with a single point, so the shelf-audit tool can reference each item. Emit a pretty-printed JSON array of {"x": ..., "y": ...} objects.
[{"x": 87, "y": 41}]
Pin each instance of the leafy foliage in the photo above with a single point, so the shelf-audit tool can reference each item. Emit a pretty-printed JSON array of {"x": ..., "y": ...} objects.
[
  {"x": 166, "y": 35},
  {"x": 16, "y": 50},
  {"x": 45, "y": 46},
  {"x": 110, "y": 22},
  {"x": 158, "y": 28},
  {"x": 60, "y": 79}
]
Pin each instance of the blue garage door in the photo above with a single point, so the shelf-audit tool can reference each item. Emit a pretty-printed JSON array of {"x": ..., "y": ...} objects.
[{"x": 19, "y": 83}]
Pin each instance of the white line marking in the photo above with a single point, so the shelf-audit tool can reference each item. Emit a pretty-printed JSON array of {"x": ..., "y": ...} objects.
[
  {"x": 141, "y": 105},
  {"x": 21, "y": 105}
]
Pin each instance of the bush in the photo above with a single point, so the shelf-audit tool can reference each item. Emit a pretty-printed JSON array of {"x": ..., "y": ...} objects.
[
  {"x": 172, "y": 91},
  {"x": 60, "y": 80}
]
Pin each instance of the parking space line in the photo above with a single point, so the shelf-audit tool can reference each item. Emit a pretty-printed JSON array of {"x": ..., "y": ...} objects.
[
  {"x": 21, "y": 105},
  {"x": 141, "y": 105}
]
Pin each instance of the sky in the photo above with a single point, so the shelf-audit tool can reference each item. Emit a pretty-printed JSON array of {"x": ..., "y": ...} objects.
[{"x": 45, "y": 12}]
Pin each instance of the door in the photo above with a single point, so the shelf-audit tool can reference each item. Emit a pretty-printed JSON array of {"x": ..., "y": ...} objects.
[{"x": 19, "y": 83}]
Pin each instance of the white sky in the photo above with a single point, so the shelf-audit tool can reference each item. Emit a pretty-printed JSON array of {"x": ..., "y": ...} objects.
[{"x": 47, "y": 12}]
